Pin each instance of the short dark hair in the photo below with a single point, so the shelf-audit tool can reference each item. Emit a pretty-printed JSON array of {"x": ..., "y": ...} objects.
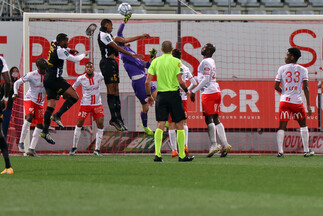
[
  {"x": 167, "y": 46},
  {"x": 211, "y": 48},
  {"x": 295, "y": 52},
  {"x": 177, "y": 53},
  {"x": 105, "y": 21},
  {"x": 60, "y": 37}
]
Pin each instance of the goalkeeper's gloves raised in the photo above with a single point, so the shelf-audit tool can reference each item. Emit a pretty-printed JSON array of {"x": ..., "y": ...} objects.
[
  {"x": 153, "y": 53},
  {"x": 126, "y": 18}
]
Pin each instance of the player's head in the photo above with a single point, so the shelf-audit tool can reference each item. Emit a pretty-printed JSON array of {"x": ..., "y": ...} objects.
[
  {"x": 41, "y": 64},
  {"x": 106, "y": 25},
  {"x": 208, "y": 50},
  {"x": 62, "y": 40},
  {"x": 167, "y": 47},
  {"x": 177, "y": 53},
  {"x": 14, "y": 73},
  {"x": 292, "y": 55},
  {"x": 89, "y": 68}
]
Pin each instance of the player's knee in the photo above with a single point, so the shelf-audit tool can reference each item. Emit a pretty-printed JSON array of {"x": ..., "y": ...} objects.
[{"x": 145, "y": 109}]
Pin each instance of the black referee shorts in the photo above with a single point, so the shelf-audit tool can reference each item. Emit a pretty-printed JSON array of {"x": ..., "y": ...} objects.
[
  {"x": 55, "y": 87},
  {"x": 110, "y": 70},
  {"x": 169, "y": 103}
]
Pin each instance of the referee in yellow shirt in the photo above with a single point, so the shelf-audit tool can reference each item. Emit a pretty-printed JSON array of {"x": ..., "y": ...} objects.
[{"x": 167, "y": 70}]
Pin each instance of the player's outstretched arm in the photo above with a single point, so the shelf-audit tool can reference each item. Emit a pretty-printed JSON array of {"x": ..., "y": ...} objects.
[
  {"x": 131, "y": 39},
  {"x": 307, "y": 96},
  {"x": 78, "y": 57},
  {"x": 119, "y": 49}
]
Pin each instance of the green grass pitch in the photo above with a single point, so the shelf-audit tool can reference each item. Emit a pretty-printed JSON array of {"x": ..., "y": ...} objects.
[{"x": 135, "y": 185}]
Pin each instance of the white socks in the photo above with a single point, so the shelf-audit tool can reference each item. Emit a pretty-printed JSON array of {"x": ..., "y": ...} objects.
[
  {"x": 212, "y": 133},
  {"x": 77, "y": 134},
  {"x": 99, "y": 134},
  {"x": 173, "y": 139},
  {"x": 221, "y": 133},
  {"x": 305, "y": 137},
  {"x": 24, "y": 130},
  {"x": 36, "y": 136},
  {"x": 280, "y": 140},
  {"x": 186, "y": 134}
]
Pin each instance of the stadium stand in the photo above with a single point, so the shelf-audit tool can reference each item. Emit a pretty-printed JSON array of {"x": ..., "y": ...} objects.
[
  {"x": 153, "y": 2},
  {"x": 174, "y": 2},
  {"x": 224, "y": 3},
  {"x": 105, "y": 2},
  {"x": 201, "y": 3},
  {"x": 249, "y": 3},
  {"x": 132, "y": 2},
  {"x": 34, "y": 1},
  {"x": 281, "y": 12},
  {"x": 316, "y": 3},
  {"x": 168, "y": 6},
  {"x": 256, "y": 12},
  {"x": 272, "y": 3},
  {"x": 296, "y": 3},
  {"x": 58, "y": 2},
  {"x": 309, "y": 12}
]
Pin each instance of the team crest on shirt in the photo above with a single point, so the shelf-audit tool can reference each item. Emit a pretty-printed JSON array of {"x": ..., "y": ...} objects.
[
  {"x": 108, "y": 39},
  {"x": 66, "y": 53}
]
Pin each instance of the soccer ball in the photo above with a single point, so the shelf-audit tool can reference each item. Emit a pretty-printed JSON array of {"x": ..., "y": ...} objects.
[{"x": 125, "y": 9}]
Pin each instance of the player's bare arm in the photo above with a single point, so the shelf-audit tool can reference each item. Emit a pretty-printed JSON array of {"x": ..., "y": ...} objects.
[
  {"x": 119, "y": 49},
  {"x": 149, "y": 99},
  {"x": 131, "y": 39},
  {"x": 277, "y": 87},
  {"x": 7, "y": 87},
  {"x": 182, "y": 83},
  {"x": 307, "y": 96}
]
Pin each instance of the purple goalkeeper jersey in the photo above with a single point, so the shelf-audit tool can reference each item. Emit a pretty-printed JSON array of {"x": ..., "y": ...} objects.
[{"x": 133, "y": 66}]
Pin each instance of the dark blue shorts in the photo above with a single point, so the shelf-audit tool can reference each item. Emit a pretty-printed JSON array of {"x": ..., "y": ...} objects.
[{"x": 140, "y": 91}]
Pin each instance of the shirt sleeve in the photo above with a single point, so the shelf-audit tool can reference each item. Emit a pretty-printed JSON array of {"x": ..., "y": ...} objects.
[
  {"x": 17, "y": 84},
  {"x": 64, "y": 55},
  {"x": 120, "y": 30},
  {"x": 203, "y": 82},
  {"x": 105, "y": 38},
  {"x": 279, "y": 75},
  {"x": 76, "y": 83},
  {"x": 306, "y": 74},
  {"x": 178, "y": 67},
  {"x": 5, "y": 66}
]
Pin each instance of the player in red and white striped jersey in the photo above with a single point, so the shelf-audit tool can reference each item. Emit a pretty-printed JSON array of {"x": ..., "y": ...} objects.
[
  {"x": 91, "y": 102},
  {"x": 186, "y": 75},
  {"x": 211, "y": 100},
  {"x": 293, "y": 76},
  {"x": 33, "y": 104}
]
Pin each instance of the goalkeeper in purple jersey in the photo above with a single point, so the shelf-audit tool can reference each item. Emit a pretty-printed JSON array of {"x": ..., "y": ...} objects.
[{"x": 135, "y": 68}]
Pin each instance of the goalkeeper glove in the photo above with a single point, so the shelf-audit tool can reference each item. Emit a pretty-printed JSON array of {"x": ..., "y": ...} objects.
[
  {"x": 153, "y": 53},
  {"x": 126, "y": 18}
]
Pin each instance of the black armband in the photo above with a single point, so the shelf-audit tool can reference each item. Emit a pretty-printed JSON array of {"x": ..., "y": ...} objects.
[{"x": 148, "y": 95}]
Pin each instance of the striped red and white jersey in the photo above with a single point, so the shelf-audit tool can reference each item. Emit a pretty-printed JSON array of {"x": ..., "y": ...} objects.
[
  {"x": 90, "y": 88},
  {"x": 36, "y": 92},
  {"x": 292, "y": 76}
]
